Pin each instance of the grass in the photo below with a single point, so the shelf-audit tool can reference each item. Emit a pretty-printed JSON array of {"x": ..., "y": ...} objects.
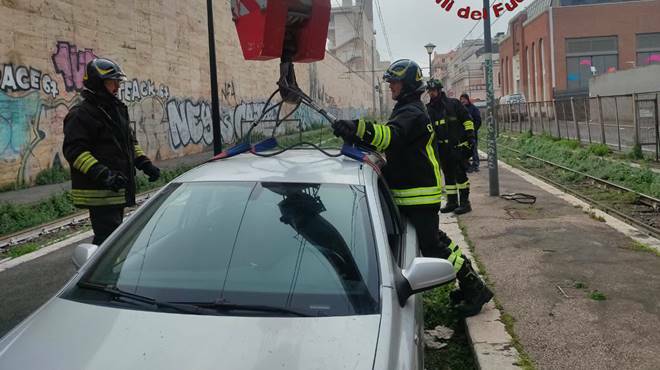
[
  {"x": 22, "y": 249},
  {"x": 641, "y": 247},
  {"x": 438, "y": 311},
  {"x": 16, "y": 217},
  {"x": 597, "y": 296},
  {"x": 579, "y": 285},
  {"x": 53, "y": 175},
  {"x": 524, "y": 360},
  {"x": 589, "y": 160}
]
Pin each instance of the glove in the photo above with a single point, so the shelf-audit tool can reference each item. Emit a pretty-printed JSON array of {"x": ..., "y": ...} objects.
[
  {"x": 114, "y": 181},
  {"x": 345, "y": 129},
  {"x": 152, "y": 171},
  {"x": 106, "y": 178}
]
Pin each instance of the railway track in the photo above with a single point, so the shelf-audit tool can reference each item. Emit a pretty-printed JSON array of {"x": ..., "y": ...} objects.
[
  {"x": 25, "y": 236},
  {"x": 642, "y": 212}
]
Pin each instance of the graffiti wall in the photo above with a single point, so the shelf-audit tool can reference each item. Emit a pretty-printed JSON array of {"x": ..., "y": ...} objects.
[{"x": 167, "y": 93}]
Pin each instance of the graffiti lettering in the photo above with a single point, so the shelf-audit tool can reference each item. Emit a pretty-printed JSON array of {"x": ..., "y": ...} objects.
[
  {"x": 190, "y": 122},
  {"x": 130, "y": 91},
  {"x": 70, "y": 63},
  {"x": 22, "y": 78}
]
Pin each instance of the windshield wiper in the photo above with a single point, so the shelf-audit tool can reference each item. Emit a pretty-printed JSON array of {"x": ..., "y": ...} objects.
[
  {"x": 218, "y": 306},
  {"x": 184, "y": 308}
]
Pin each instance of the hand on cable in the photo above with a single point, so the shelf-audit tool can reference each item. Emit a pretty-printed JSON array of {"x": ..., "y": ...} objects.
[
  {"x": 114, "y": 180},
  {"x": 152, "y": 171},
  {"x": 345, "y": 129}
]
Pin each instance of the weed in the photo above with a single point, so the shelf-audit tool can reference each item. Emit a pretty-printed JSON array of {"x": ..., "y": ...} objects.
[
  {"x": 580, "y": 285},
  {"x": 53, "y": 175},
  {"x": 597, "y": 296},
  {"x": 596, "y": 217},
  {"x": 22, "y": 249},
  {"x": 641, "y": 247},
  {"x": 636, "y": 152},
  {"x": 599, "y": 149}
]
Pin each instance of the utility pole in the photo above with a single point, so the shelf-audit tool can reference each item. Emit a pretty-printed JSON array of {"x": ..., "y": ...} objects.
[
  {"x": 493, "y": 176},
  {"x": 373, "y": 74},
  {"x": 215, "y": 100}
]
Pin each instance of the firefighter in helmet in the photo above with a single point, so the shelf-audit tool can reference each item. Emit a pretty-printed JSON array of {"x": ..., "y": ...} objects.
[
  {"x": 456, "y": 140},
  {"x": 413, "y": 174},
  {"x": 102, "y": 151}
]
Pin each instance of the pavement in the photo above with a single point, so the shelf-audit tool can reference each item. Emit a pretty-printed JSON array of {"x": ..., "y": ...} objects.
[
  {"x": 531, "y": 251},
  {"x": 35, "y": 194}
]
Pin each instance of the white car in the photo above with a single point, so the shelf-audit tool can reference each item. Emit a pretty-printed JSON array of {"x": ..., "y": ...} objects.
[{"x": 297, "y": 261}]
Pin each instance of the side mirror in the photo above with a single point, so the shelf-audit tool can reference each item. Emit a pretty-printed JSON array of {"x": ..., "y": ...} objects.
[
  {"x": 424, "y": 274},
  {"x": 82, "y": 253}
]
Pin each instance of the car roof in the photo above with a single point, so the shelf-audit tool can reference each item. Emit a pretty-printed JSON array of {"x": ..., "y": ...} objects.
[{"x": 296, "y": 165}]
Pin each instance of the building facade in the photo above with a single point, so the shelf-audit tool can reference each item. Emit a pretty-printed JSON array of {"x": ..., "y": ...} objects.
[
  {"x": 462, "y": 70},
  {"x": 553, "y": 47}
]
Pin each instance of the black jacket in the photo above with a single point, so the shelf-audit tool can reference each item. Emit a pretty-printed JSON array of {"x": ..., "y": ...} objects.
[
  {"x": 452, "y": 122},
  {"x": 98, "y": 138},
  {"x": 408, "y": 140},
  {"x": 475, "y": 114}
]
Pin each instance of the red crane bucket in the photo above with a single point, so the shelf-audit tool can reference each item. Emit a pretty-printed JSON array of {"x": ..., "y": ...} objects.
[{"x": 267, "y": 29}]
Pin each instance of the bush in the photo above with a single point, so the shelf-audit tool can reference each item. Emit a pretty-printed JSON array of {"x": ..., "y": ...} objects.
[
  {"x": 599, "y": 149},
  {"x": 53, "y": 175},
  {"x": 636, "y": 152}
]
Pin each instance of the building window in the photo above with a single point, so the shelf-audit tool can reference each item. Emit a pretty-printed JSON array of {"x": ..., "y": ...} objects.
[
  {"x": 589, "y": 56},
  {"x": 648, "y": 49}
]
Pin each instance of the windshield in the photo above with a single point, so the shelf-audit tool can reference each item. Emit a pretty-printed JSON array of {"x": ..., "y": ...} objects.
[{"x": 303, "y": 247}]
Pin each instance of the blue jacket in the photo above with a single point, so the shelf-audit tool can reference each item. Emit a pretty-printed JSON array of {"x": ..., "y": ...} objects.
[{"x": 475, "y": 114}]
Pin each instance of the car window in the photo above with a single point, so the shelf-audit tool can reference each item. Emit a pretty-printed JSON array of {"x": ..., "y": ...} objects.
[
  {"x": 307, "y": 247},
  {"x": 392, "y": 222}
]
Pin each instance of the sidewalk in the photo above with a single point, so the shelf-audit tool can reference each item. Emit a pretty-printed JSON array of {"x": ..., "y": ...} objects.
[
  {"x": 37, "y": 193},
  {"x": 529, "y": 251}
]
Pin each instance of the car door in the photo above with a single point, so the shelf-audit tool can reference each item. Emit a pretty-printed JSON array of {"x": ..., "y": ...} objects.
[{"x": 403, "y": 245}]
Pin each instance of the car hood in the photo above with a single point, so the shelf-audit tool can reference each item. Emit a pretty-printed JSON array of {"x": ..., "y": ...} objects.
[{"x": 69, "y": 335}]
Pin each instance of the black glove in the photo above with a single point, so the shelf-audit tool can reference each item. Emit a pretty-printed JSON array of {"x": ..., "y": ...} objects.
[
  {"x": 107, "y": 178},
  {"x": 114, "y": 181},
  {"x": 345, "y": 129},
  {"x": 152, "y": 171}
]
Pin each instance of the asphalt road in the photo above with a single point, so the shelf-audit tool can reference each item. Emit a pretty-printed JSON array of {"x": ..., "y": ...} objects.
[{"x": 26, "y": 287}]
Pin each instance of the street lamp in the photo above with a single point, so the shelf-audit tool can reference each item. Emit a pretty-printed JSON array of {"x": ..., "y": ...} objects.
[{"x": 429, "y": 49}]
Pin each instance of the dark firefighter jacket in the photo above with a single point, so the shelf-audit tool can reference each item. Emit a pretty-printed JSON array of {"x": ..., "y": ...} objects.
[
  {"x": 408, "y": 140},
  {"x": 453, "y": 124},
  {"x": 97, "y": 133},
  {"x": 475, "y": 114}
]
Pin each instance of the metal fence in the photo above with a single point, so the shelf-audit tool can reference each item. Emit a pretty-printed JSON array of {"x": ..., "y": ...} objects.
[{"x": 621, "y": 121}]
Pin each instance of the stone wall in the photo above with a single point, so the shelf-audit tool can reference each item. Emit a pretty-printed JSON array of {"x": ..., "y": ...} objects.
[{"x": 163, "y": 47}]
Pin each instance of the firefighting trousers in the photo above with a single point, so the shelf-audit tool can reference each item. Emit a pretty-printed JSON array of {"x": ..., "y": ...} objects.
[
  {"x": 105, "y": 220},
  {"x": 454, "y": 169},
  {"x": 432, "y": 241}
]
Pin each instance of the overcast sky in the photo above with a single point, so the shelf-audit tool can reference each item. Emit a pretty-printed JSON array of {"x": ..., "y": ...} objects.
[{"x": 411, "y": 24}]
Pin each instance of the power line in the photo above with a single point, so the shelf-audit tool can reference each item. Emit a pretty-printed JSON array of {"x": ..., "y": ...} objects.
[{"x": 382, "y": 23}]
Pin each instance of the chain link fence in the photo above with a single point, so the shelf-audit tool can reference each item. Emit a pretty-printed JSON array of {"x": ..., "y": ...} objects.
[{"x": 621, "y": 122}]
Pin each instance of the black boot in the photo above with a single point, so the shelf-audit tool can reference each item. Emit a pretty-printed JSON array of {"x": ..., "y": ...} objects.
[
  {"x": 475, "y": 292},
  {"x": 452, "y": 203},
  {"x": 465, "y": 206},
  {"x": 456, "y": 296}
]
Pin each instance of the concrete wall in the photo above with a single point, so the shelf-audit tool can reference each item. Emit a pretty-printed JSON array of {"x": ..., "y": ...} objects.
[
  {"x": 639, "y": 80},
  {"x": 163, "y": 47}
]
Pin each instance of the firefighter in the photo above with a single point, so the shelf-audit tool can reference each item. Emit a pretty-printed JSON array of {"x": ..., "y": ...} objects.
[
  {"x": 476, "y": 118},
  {"x": 413, "y": 175},
  {"x": 102, "y": 151},
  {"x": 455, "y": 134}
]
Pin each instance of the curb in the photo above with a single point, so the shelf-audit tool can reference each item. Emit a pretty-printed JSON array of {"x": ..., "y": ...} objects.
[
  {"x": 491, "y": 344},
  {"x": 45, "y": 250}
]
